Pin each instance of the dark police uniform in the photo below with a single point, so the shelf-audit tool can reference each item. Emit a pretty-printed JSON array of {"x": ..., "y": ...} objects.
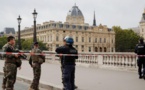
[
  {"x": 68, "y": 65},
  {"x": 140, "y": 50}
]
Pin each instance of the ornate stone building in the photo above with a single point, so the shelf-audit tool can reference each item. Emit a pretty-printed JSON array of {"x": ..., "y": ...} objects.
[
  {"x": 142, "y": 25},
  {"x": 87, "y": 38}
]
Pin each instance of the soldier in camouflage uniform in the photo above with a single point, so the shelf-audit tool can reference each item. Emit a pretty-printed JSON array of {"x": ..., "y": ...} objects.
[
  {"x": 11, "y": 64},
  {"x": 35, "y": 62}
]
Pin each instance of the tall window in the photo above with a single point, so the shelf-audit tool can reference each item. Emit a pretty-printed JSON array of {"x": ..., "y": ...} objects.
[
  {"x": 51, "y": 38},
  {"x": 48, "y": 38},
  {"x": 100, "y": 40},
  {"x": 82, "y": 39},
  {"x": 67, "y": 26},
  {"x": 89, "y": 39},
  {"x": 105, "y": 49},
  {"x": 82, "y": 48},
  {"x": 104, "y": 40},
  {"x": 57, "y": 38},
  {"x": 76, "y": 46},
  {"x": 95, "y": 40},
  {"x": 44, "y": 39},
  {"x": 100, "y": 49},
  {"x": 112, "y": 49},
  {"x": 96, "y": 49},
  {"x": 89, "y": 49},
  {"x": 76, "y": 39}
]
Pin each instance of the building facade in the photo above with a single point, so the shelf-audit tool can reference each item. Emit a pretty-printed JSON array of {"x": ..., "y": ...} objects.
[
  {"x": 87, "y": 38},
  {"x": 142, "y": 25},
  {"x": 8, "y": 31}
]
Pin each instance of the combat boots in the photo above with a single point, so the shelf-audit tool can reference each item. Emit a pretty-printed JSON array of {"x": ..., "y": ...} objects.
[
  {"x": 3, "y": 87},
  {"x": 9, "y": 89}
]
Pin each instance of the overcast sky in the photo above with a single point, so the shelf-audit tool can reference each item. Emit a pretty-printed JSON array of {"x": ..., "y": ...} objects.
[{"x": 124, "y": 13}]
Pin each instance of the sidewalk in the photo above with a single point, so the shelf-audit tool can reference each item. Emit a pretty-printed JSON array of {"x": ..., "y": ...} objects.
[
  {"x": 26, "y": 75},
  {"x": 86, "y": 78}
]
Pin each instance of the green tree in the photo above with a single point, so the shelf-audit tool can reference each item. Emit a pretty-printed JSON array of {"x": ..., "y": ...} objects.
[
  {"x": 3, "y": 41},
  {"x": 27, "y": 44},
  {"x": 125, "y": 39}
]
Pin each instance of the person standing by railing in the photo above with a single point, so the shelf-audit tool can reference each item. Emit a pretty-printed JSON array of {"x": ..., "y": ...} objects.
[
  {"x": 12, "y": 62},
  {"x": 68, "y": 63},
  {"x": 140, "y": 50},
  {"x": 36, "y": 61}
]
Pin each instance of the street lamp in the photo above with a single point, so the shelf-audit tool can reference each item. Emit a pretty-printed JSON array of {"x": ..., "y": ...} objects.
[
  {"x": 19, "y": 38},
  {"x": 109, "y": 30},
  {"x": 35, "y": 33}
]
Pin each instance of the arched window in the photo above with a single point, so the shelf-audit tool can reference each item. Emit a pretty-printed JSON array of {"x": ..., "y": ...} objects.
[
  {"x": 105, "y": 50},
  {"x": 100, "y": 49},
  {"x": 96, "y": 49},
  {"x": 89, "y": 49}
]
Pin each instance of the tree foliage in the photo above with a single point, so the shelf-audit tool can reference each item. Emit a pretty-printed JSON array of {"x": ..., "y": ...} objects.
[
  {"x": 3, "y": 41},
  {"x": 125, "y": 39},
  {"x": 26, "y": 44}
]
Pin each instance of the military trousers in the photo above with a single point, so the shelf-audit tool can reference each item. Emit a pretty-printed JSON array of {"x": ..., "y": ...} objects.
[
  {"x": 9, "y": 79},
  {"x": 37, "y": 74}
]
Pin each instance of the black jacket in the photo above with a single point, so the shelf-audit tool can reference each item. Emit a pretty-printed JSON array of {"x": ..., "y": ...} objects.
[
  {"x": 66, "y": 59},
  {"x": 140, "y": 49}
]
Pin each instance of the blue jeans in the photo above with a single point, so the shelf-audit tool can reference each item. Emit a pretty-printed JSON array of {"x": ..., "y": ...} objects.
[{"x": 68, "y": 74}]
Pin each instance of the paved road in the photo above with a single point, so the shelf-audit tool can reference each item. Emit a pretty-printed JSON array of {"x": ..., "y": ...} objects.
[
  {"x": 87, "y": 78},
  {"x": 19, "y": 85}
]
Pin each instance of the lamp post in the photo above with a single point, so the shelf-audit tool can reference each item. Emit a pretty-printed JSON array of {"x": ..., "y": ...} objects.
[
  {"x": 35, "y": 33},
  {"x": 109, "y": 30},
  {"x": 19, "y": 37}
]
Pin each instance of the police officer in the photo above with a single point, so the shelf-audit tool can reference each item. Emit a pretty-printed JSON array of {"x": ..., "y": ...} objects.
[
  {"x": 11, "y": 64},
  {"x": 68, "y": 62},
  {"x": 140, "y": 50},
  {"x": 35, "y": 62}
]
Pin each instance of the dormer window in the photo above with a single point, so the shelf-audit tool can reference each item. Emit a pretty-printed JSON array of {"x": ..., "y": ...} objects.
[
  {"x": 67, "y": 26},
  {"x": 60, "y": 25},
  {"x": 73, "y": 26}
]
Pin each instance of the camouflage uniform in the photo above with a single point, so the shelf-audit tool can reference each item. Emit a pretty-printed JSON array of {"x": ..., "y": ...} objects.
[
  {"x": 10, "y": 68},
  {"x": 36, "y": 61}
]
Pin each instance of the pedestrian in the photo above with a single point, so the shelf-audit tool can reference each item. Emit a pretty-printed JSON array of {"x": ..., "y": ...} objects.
[
  {"x": 12, "y": 62},
  {"x": 35, "y": 62},
  {"x": 68, "y": 63},
  {"x": 140, "y": 50}
]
